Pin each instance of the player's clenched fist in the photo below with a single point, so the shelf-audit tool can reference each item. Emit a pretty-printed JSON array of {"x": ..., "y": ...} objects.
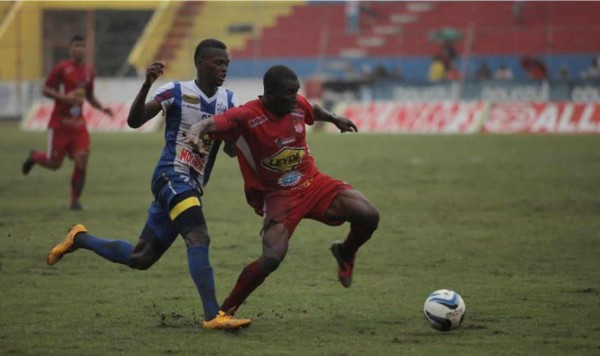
[{"x": 154, "y": 71}]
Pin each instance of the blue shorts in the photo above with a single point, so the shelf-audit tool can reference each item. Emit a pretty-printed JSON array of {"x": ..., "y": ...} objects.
[{"x": 161, "y": 213}]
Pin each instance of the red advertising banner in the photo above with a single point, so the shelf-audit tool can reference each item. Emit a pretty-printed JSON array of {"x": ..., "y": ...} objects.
[
  {"x": 564, "y": 117},
  {"x": 97, "y": 121},
  {"x": 474, "y": 117}
]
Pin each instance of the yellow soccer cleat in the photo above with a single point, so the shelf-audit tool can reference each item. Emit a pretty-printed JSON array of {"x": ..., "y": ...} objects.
[
  {"x": 65, "y": 246},
  {"x": 224, "y": 321}
]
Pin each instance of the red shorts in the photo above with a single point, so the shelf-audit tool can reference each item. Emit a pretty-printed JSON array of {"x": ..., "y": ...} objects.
[
  {"x": 309, "y": 200},
  {"x": 65, "y": 139}
]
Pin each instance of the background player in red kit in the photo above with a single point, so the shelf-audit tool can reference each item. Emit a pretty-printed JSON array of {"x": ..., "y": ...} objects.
[
  {"x": 69, "y": 83},
  {"x": 281, "y": 180}
]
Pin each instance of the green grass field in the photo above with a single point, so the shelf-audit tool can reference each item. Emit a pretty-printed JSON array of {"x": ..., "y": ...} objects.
[{"x": 510, "y": 222}]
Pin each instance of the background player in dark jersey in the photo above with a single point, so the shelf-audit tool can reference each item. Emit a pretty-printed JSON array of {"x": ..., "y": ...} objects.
[
  {"x": 69, "y": 83},
  {"x": 281, "y": 180},
  {"x": 178, "y": 179}
]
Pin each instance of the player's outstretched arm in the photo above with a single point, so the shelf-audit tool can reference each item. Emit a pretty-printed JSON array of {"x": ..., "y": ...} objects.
[
  {"x": 139, "y": 112},
  {"x": 96, "y": 104},
  {"x": 342, "y": 123}
]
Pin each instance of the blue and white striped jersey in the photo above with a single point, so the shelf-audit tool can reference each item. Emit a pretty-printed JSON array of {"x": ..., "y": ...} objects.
[{"x": 184, "y": 104}]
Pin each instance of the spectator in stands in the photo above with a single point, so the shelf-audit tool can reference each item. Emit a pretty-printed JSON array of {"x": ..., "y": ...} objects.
[
  {"x": 503, "y": 73},
  {"x": 381, "y": 72},
  {"x": 452, "y": 73},
  {"x": 593, "y": 72},
  {"x": 365, "y": 8},
  {"x": 437, "y": 70},
  {"x": 534, "y": 68},
  {"x": 517, "y": 11},
  {"x": 354, "y": 10},
  {"x": 483, "y": 72},
  {"x": 350, "y": 73},
  {"x": 366, "y": 73},
  {"x": 396, "y": 73},
  {"x": 448, "y": 53},
  {"x": 352, "y": 17},
  {"x": 563, "y": 73}
]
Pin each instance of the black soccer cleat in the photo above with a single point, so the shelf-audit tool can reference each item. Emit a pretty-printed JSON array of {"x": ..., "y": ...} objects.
[
  {"x": 345, "y": 266},
  {"x": 28, "y": 164}
]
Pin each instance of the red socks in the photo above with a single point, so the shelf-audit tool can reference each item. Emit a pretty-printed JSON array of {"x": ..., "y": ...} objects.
[
  {"x": 251, "y": 277},
  {"x": 77, "y": 182},
  {"x": 357, "y": 236},
  {"x": 39, "y": 158}
]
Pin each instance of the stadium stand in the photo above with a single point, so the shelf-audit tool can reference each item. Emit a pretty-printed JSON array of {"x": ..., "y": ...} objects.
[
  {"x": 4, "y": 9},
  {"x": 394, "y": 27},
  {"x": 401, "y": 29},
  {"x": 231, "y": 22}
]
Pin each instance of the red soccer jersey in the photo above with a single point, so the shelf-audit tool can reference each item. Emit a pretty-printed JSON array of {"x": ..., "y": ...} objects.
[
  {"x": 71, "y": 77},
  {"x": 274, "y": 152}
]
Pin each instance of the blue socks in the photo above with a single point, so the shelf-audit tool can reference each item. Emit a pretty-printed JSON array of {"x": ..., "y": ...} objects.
[
  {"x": 117, "y": 251},
  {"x": 202, "y": 274}
]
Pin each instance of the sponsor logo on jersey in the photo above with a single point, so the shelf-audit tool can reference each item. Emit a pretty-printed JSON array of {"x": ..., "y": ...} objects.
[
  {"x": 285, "y": 160},
  {"x": 284, "y": 141},
  {"x": 191, "y": 159},
  {"x": 257, "y": 121},
  {"x": 290, "y": 179},
  {"x": 191, "y": 99},
  {"x": 297, "y": 113},
  {"x": 193, "y": 107}
]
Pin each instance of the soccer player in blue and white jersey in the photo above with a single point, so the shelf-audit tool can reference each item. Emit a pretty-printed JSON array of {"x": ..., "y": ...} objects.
[{"x": 178, "y": 179}]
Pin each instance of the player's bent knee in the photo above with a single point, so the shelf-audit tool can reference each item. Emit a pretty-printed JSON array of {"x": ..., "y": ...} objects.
[
  {"x": 197, "y": 236},
  {"x": 144, "y": 254},
  {"x": 271, "y": 263},
  {"x": 188, "y": 218},
  {"x": 54, "y": 164},
  {"x": 141, "y": 262},
  {"x": 372, "y": 218}
]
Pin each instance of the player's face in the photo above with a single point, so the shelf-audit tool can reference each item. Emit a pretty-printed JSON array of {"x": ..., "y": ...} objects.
[
  {"x": 77, "y": 51},
  {"x": 213, "y": 66},
  {"x": 283, "y": 99}
]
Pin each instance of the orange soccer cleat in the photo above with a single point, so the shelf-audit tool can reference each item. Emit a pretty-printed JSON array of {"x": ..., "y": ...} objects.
[
  {"x": 65, "y": 246},
  {"x": 225, "y": 321}
]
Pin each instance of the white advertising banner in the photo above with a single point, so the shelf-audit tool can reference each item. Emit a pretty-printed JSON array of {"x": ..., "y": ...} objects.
[
  {"x": 118, "y": 94},
  {"x": 474, "y": 117},
  {"x": 38, "y": 117}
]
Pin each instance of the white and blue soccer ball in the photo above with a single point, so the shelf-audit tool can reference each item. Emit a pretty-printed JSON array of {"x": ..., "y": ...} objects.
[{"x": 444, "y": 310}]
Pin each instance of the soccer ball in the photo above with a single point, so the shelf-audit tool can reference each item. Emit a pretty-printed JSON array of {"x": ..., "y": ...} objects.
[{"x": 444, "y": 309}]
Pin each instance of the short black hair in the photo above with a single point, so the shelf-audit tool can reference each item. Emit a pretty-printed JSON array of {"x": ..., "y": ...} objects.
[
  {"x": 77, "y": 38},
  {"x": 206, "y": 44},
  {"x": 276, "y": 74}
]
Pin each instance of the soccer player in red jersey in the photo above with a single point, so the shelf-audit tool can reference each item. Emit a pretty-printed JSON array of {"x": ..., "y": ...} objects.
[
  {"x": 69, "y": 83},
  {"x": 281, "y": 180}
]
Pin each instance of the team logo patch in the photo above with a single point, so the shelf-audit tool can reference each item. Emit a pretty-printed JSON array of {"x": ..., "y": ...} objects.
[
  {"x": 290, "y": 179},
  {"x": 191, "y": 99},
  {"x": 298, "y": 127},
  {"x": 285, "y": 160},
  {"x": 221, "y": 108}
]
